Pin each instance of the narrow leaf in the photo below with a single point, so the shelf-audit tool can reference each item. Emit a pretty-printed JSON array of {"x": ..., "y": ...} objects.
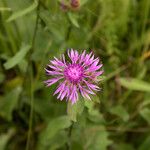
[
  {"x": 4, "y": 138},
  {"x": 145, "y": 113},
  {"x": 73, "y": 19},
  {"x": 23, "y": 12},
  {"x": 18, "y": 57},
  {"x": 9, "y": 102},
  {"x": 135, "y": 84},
  {"x": 121, "y": 112},
  {"x": 5, "y": 9}
]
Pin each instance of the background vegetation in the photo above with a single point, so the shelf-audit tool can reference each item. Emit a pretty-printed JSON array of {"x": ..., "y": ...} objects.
[{"x": 32, "y": 32}]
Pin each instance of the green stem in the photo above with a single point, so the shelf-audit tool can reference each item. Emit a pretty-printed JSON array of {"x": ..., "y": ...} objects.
[
  {"x": 31, "y": 110},
  {"x": 68, "y": 144},
  {"x": 32, "y": 83}
]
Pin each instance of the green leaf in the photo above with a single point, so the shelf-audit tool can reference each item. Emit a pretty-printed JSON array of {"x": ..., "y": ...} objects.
[
  {"x": 45, "y": 108},
  {"x": 96, "y": 138},
  {"x": 5, "y": 9},
  {"x": 83, "y": 2},
  {"x": 4, "y": 138},
  {"x": 120, "y": 111},
  {"x": 135, "y": 84},
  {"x": 55, "y": 143},
  {"x": 93, "y": 110},
  {"x": 54, "y": 25},
  {"x": 9, "y": 102},
  {"x": 124, "y": 146},
  {"x": 146, "y": 100},
  {"x": 75, "y": 109},
  {"x": 18, "y": 57},
  {"x": 58, "y": 141},
  {"x": 102, "y": 141},
  {"x": 2, "y": 77},
  {"x": 23, "y": 12},
  {"x": 73, "y": 19},
  {"x": 145, "y": 113},
  {"x": 53, "y": 127},
  {"x": 145, "y": 144}
]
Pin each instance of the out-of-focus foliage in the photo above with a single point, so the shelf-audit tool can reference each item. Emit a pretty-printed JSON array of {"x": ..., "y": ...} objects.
[{"x": 32, "y": 32}]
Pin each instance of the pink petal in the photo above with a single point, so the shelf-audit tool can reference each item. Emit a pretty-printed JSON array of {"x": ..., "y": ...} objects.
[{"x": 52, "y": 81}]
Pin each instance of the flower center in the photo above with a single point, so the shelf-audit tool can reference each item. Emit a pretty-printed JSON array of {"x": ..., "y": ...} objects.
[{"x": 73, "y": 73}]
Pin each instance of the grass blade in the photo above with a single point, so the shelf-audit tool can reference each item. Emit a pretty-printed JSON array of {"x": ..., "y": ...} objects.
[
  {"x": 135, "y": 84},
  {"x": 21, "y": 13},
  {"x": 18, "y": 57}
]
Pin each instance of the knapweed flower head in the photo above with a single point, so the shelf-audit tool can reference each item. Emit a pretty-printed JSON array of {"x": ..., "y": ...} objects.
[
  {"x": 78, "y": 75},
  {"x": 64, "y": 6},
  {"x": 71, "y": 5},
  {"x": 75, "y": 3}
]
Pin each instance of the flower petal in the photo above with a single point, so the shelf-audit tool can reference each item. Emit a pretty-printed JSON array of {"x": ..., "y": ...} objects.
[{"x": 52, "y": 81}]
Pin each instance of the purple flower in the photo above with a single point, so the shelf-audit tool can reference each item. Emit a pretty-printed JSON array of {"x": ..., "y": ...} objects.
[
  {"x": 64, "y": 6},
  {"x": 78, "y": 76},
  {"x": 75, "y": 3}
]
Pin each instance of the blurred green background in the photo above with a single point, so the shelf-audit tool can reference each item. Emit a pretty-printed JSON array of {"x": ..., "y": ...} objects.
[{"x": 32, "y": 32}]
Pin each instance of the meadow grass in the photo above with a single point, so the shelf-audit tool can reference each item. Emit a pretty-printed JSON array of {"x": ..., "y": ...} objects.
[{"x": 34, "y": 31}]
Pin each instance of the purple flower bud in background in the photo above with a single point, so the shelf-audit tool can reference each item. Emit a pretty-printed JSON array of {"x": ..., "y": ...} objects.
[
  {"x": 74, "y": 77},
  {"x": 64, "y": 6},
  {"x": 75, "y": 3}
]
